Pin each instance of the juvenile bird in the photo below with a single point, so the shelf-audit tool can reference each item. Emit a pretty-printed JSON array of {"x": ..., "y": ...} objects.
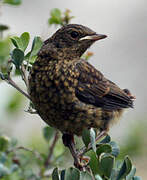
[{"x": 68, "y": 92}]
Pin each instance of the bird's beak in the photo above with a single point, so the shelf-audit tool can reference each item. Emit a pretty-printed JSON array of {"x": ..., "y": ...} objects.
[{"x": 94, "y": 37}]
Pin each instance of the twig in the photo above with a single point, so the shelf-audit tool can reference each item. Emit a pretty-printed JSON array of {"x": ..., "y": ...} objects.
[
  {"x": 84, "y": 149},
  {"x": 23, "y": 75},
  {"x": 12, "y": 83},
  {"x": 37, "y": 155},
  {"x": 56, "y": 137}
]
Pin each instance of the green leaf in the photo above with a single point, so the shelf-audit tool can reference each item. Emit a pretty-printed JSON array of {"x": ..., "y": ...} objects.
[
  {"x": 103, "y": 148},
  {"x": 115, "y": 148},
  {"x": 3, "y": 157},
  {"x": 3, "y": 27},
  {"x": 32, "y": 59},
  {"x": 106, "y": 165},
  {"x": 16, "y": 42},
  {"x": 118, "y": 164},
  {"x": 72, "y": 174},
  {"x": 136, "y": 178},
  {"x": 2, "y": 76},
  {"x": 25, "y": 38},
  {"x": 3, "y": 170},
  {"x": 27, "y": 56},
  {"x": 86, "y": 137},
  {"x": 12, "y": 2},
  {"x": 14, "y": 168},
  {"x": 22, "y": 41},
  {"x": 113, "y": 174},
  {"x": 48, "y": 133},
  {"x": 5, "y": 46},
  {"x": 131, "y": 174},
  {"x": 17, "y": 57},
  {"x": 55, "y": 16},
  {"x": 92, "y": 139},
  {"x": 56, "y": 13},
  {"x": 85, "y": 176},
  {"x": 4, "y": 142},
  {"x": 55, "y": 175},
  {"x": 125, "y": 168},
  {"x": 97, "y": 177},
  {"x": 62, "y": 174},
  {"x": 107, "y": 139},
  {"x": 36, "y": 45},
  {"x": 53, "y": 21},
  {"x": 93, "y": 163}
]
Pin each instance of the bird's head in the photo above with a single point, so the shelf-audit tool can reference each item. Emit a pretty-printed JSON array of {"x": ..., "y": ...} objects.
[{"x": 73, "y": 40}]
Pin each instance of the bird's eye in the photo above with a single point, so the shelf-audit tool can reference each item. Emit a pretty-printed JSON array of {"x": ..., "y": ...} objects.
[{"x": 74, "y": 34}]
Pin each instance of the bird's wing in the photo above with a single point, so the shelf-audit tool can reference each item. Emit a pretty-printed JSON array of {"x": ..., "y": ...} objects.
[{"x": 93, "y": 88}]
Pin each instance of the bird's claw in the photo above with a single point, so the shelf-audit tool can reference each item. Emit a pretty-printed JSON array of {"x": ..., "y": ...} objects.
[{"x": 82, "y": 162}]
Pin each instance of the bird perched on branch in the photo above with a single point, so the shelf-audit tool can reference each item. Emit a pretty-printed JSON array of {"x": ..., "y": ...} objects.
[{"x": 68, "y": 92}]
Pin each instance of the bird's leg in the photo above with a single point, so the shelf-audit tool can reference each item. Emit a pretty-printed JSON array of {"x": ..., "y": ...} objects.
[{"x": 68, "y": 140}]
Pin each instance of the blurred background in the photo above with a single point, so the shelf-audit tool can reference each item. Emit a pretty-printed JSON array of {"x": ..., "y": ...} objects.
[{"x": 122, "y": 57}]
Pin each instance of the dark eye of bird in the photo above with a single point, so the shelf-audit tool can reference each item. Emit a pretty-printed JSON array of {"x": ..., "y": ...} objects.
[{"x": 74, "y": 34}]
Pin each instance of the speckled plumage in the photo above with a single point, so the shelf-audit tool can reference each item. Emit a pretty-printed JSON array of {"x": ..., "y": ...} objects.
[{"x": 69, "y": 93}]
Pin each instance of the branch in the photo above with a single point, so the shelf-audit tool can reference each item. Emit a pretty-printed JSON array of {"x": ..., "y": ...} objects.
[
  {"x": 23, "y": 75},
  {"x": 8, "y": 79},
  {"x": 36, "y": 154},
  {"x": 56, "y": 137},
  {"x": 13, "y": 84},
  {"x": 84, "y": 149}
]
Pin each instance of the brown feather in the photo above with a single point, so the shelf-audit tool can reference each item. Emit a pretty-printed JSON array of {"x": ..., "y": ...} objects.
[{"x": 99, "y": 91}]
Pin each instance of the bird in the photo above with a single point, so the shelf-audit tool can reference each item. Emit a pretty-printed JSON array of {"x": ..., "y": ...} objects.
[{"x": 68, "y": 92}]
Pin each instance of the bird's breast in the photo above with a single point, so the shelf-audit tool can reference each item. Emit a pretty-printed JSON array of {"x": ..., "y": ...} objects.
[{"x": 53, "y": 84}]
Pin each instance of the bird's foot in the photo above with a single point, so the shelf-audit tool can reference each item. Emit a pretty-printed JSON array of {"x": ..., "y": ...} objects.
[
  {"x": 86, "y": 159},
  {"x": 79, "y": 161},
  {"x": 83, "y": 161}
]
